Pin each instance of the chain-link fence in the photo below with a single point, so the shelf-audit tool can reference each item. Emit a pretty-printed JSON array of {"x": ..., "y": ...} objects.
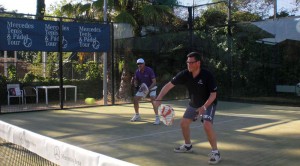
[{"x": 256, "y": 62}]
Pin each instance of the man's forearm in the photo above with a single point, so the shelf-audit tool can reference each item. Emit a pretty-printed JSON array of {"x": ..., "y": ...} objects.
[{"x": 164, "y": 91}]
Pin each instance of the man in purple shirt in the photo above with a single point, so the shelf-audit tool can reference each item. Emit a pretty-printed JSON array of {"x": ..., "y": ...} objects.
[{"x": 145, "y": 79}]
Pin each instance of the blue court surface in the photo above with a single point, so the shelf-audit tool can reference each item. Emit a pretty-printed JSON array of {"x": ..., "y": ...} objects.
[{"x": 248, "y": 134}]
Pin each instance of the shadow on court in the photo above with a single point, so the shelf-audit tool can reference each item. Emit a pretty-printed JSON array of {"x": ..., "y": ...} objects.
[{"x": 248, "y": 134}]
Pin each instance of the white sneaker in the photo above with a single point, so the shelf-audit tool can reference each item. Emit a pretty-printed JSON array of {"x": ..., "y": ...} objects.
[
  {"x": 214, "y": 158},
  {"x": 183, "y": 149},
  {"x": 157, "y": 121},
  {"x": 135, "y": 118}
]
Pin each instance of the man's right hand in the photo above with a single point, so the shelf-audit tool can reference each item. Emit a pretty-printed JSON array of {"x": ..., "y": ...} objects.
[{"x": 137, "y": 88}]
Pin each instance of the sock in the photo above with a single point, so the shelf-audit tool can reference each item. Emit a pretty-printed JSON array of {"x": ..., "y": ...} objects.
[
  {"x": 188, "y": 145},
  {"x": 215, "y": 151}
]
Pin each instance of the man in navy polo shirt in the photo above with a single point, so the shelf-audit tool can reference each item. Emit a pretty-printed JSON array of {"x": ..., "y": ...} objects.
[
  {"x": 145, "y": 81},
  {"x": 202, "y": 92}
]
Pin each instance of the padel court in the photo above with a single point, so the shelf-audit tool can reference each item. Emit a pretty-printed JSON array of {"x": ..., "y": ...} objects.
[{"x": 248, "y": 134}]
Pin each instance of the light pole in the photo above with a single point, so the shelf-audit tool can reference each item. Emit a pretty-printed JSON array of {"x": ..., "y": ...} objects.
[
  {"x": 193, "y": 25},
  {"x": 193, "y": 10},
  {"x": 275, "y": 9},
  {"x": 105, "y": 58}
]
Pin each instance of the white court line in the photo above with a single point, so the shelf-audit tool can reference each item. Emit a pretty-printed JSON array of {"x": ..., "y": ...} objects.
[{"x": 157, "y": 133}]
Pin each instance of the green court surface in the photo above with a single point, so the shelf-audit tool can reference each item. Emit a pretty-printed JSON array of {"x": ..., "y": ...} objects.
[{"x": 248, "y": 134}]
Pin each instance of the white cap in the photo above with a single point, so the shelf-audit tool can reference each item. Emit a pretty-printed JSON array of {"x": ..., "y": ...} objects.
[{"x": 141, "y": 60}]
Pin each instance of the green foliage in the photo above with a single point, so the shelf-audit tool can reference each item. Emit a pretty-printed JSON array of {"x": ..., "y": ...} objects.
[
  {"x": 39, "y": 78},
  {"x": 93, "y": 71},
  {"x": 156, "y": 14},
  {"x": 240, "y": 16},
  {"x": 29, "y": 77},
  {"x": 12, "y": 73},
  {"x": 80, "y": 68},
  {"x": 36, "y": 68},
  {"x": 283, "y": 14},
  {"x": 51, "y": 81},
  {"x": 166, "y": 2},
  {"x": 258, "y": 7},
  {"x": 125, "y": 17},
  {"x": 38, "y": 58},
  {"x": 120, "y": 65},
  {"x": 55, "y": 9},
  {"x": 3, "y": 79},
  {"x": 52, "y": 68},
  {"x": 213, "y": 17},
  {"x": 27, "y": 56}
]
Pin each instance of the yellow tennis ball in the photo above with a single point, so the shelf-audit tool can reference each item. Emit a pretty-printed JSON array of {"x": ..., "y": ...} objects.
[{"x": 89, "y": 101}]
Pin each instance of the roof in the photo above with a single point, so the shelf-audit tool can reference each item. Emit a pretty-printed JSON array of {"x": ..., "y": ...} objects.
[{"x": 281, "y": 29}]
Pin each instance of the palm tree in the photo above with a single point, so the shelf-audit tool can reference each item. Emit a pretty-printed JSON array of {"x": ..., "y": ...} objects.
[
  {"x": 78, "y": 10},
  {"x": 137, "y": 13}
]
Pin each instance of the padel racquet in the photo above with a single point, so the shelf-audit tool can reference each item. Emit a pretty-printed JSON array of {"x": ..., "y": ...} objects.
[
  {"x": 144, "y": 89},
  {"x": 167, "y": 114}
]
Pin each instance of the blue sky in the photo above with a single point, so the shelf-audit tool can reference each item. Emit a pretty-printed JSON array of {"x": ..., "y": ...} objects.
[
  {"x": 29, "y": 6},
  {"x": 24, "y": 6}
]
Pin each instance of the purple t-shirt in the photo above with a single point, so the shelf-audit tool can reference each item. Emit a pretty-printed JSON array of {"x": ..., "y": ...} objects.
[{"x": 145, "y": 77}]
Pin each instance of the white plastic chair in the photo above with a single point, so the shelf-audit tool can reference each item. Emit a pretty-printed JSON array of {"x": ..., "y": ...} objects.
[{"x": 14, "y": 90}]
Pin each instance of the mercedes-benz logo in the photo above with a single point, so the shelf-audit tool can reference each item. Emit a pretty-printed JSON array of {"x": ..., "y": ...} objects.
[{"x": 56, "y": 153}]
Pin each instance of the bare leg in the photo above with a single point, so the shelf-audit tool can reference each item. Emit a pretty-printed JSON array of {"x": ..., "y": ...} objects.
[
  {"x": 211, "y": 136},
  {"x": 154, "y": 108},
  {"x": 136, "y": 100},
  {"x": 185, "y": 129}
]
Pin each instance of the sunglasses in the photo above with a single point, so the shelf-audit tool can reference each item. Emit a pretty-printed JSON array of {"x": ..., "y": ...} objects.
[
  {"x": 191, "y": 62},
  {"x": 139, "y": 63}
]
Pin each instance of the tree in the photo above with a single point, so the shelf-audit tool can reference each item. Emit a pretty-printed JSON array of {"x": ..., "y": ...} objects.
[
  {"x": 78, "y": 10},
  {"x": 55, "y": 9},
  {"x": 240, "y": 16},
  {"x": 136, "y": 13},
  {"x": 261, "y": 8},
  {"x": 2, "y": 9},
  {"x": 146, "y": 15}
]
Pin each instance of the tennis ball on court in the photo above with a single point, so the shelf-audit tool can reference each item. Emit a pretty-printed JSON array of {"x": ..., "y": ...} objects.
[{"x": 89, "y": 101}]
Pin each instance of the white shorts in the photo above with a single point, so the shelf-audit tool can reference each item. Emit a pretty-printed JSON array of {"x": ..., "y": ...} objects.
[{"x": 151, "y": 94}]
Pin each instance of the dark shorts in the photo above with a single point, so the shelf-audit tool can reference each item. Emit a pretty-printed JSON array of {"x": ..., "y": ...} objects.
[{"x": 190, "y": 113}]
